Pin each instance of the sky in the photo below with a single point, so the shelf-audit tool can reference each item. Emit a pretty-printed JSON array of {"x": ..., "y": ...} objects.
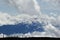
[
  {"x": 41, "y": 12},
  {"x": 50, "y": 6},
  {"x": 6, "y": 8},
  {"x": 46, "y": 7}
]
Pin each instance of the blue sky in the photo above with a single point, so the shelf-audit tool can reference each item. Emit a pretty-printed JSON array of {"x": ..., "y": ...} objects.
[
  {"x": 21, "y": 28},
  {"x": 7, "y": 9},
  {"x": 45, "y": 8}
]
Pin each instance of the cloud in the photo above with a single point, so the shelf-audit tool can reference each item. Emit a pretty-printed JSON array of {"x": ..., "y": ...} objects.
[
  {"x": 34, "y": 34},
  {"x": 6, "y": 19},
  {"x": 56, "y": 23},
  {"x": 52, "y": 4},
  {"x": 25, "y": 6},
  {"x": 47, "y": 21},
  {"x": 36, "y": 5},
  {"x": 2, "y": 35},
  {"x": 50, "y": 31}
]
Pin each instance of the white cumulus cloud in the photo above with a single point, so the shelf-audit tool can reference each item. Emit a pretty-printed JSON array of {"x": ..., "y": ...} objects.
[{"x": 25, "y": 6}]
